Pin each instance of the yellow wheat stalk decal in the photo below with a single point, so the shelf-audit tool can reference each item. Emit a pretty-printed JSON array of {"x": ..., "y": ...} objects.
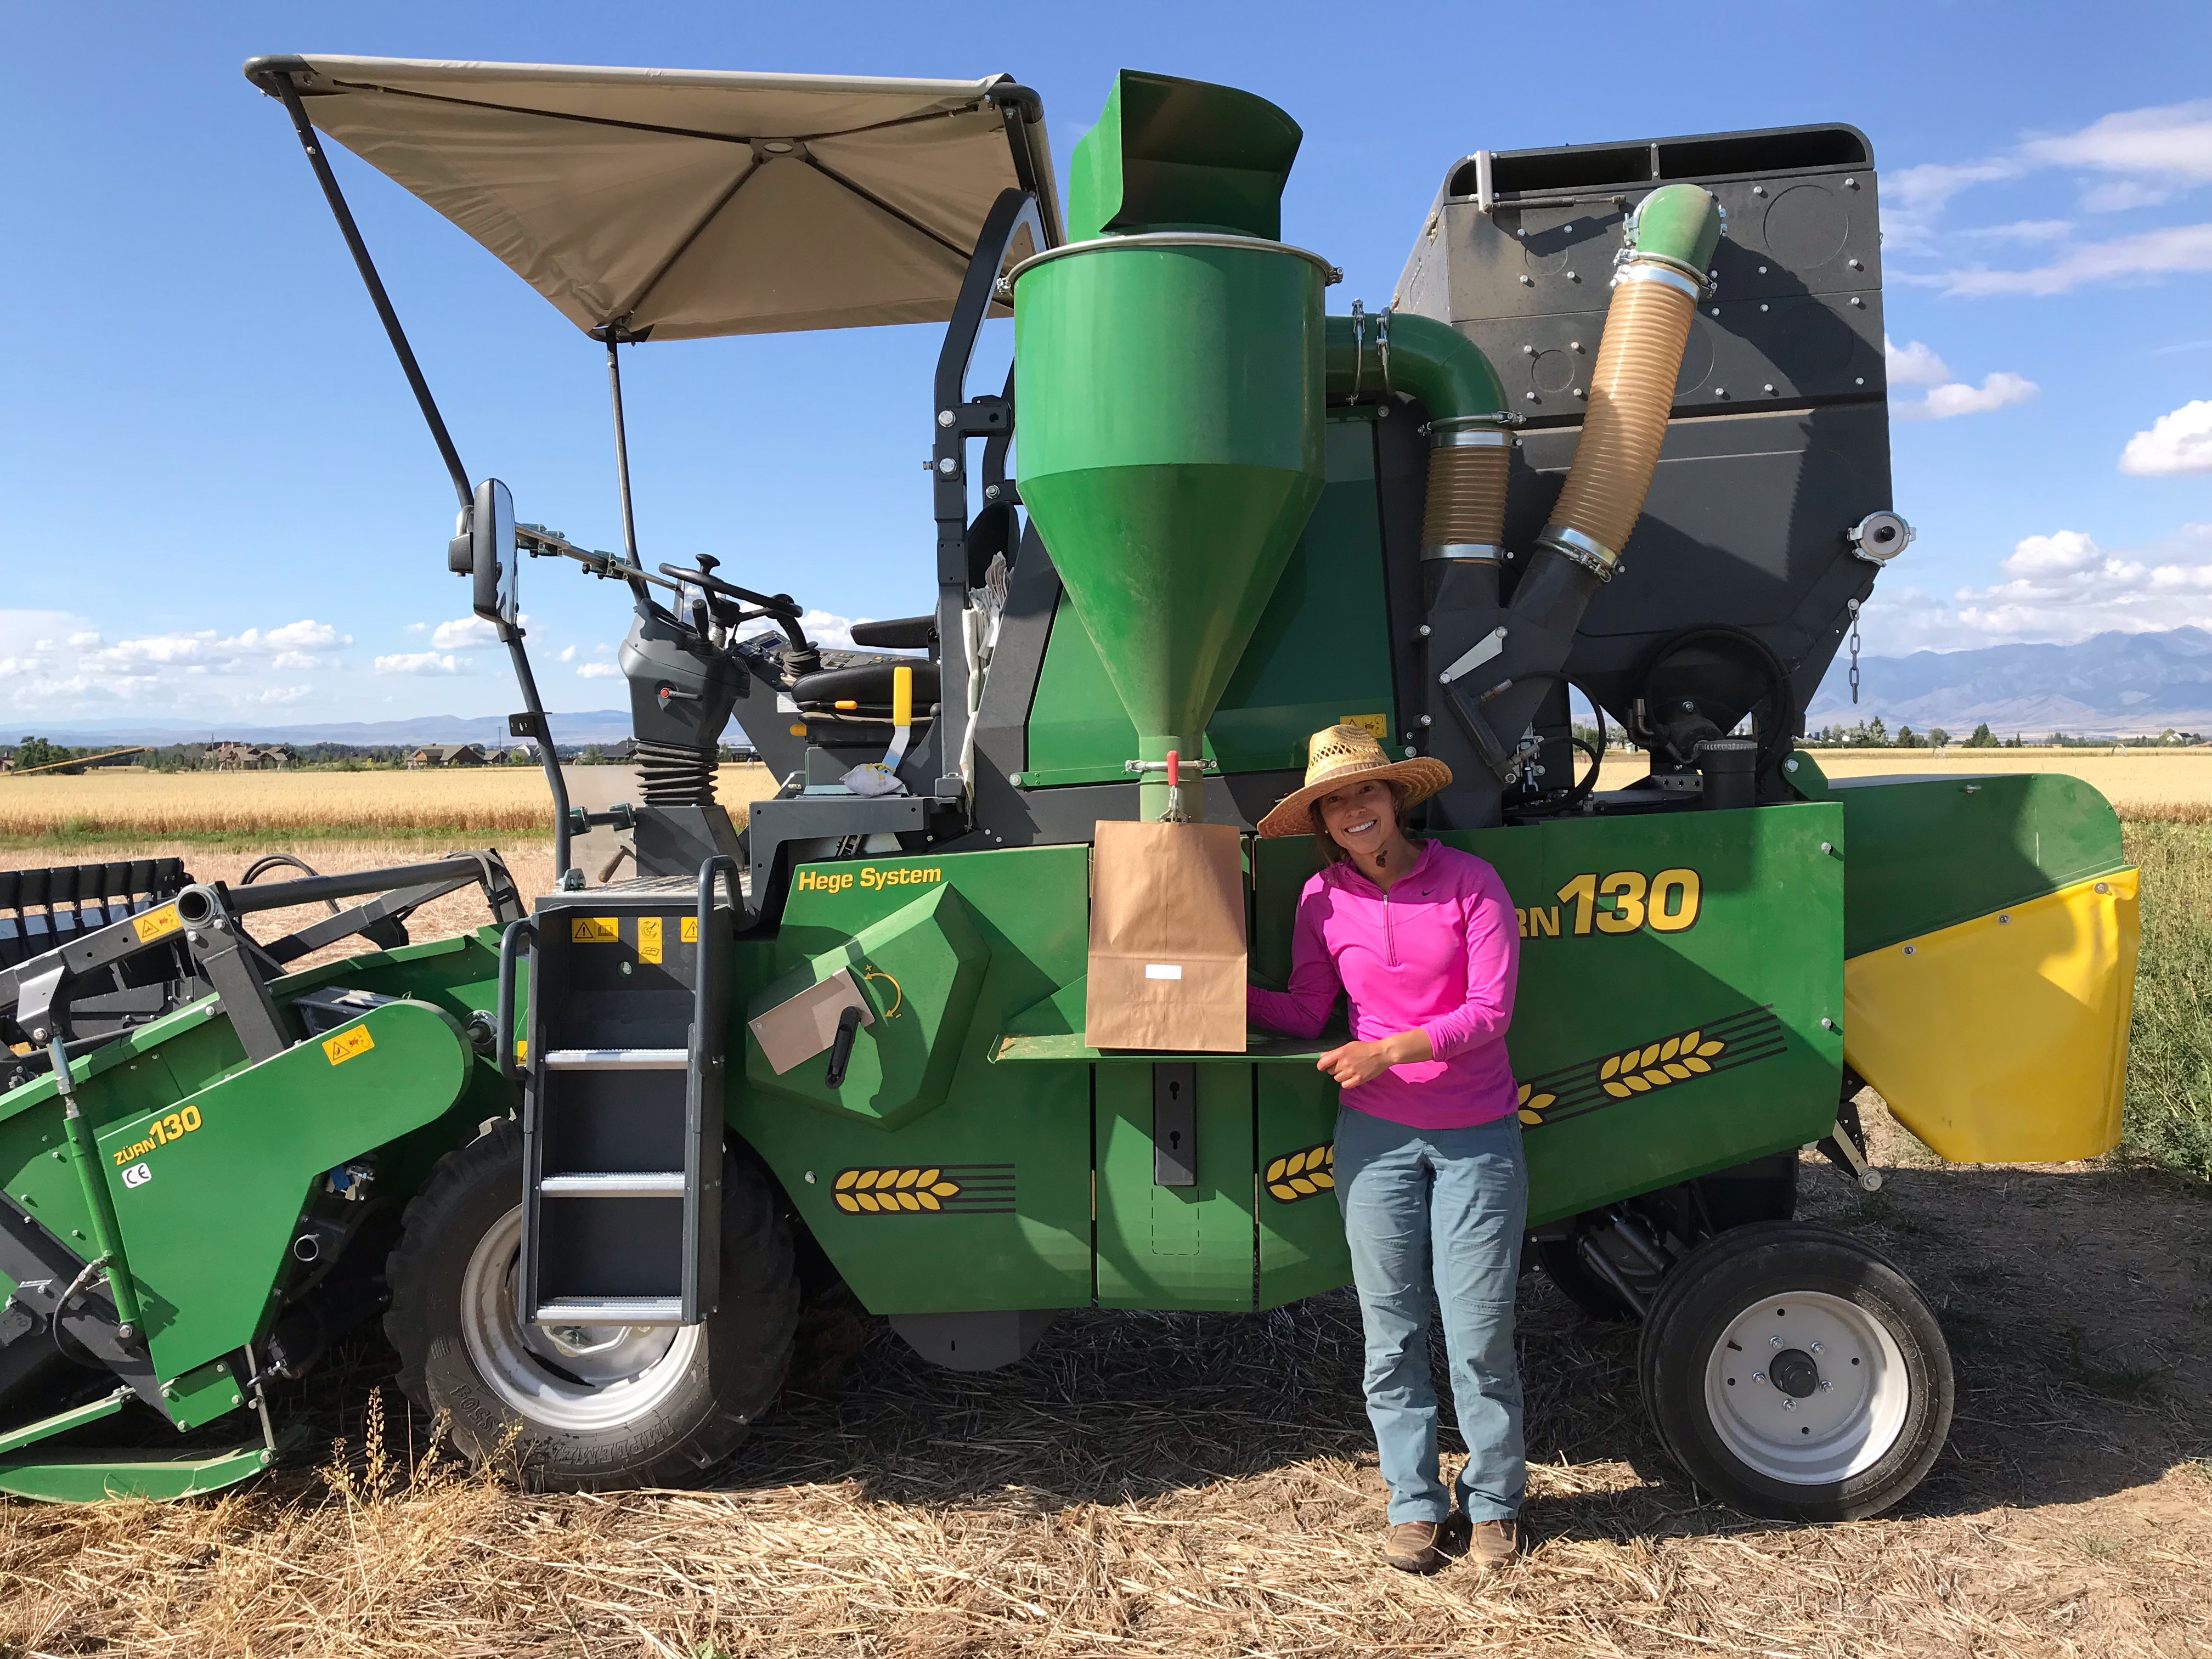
[
  {"x": 1532, "y": 1103},
  {"x": 876, "y": 1192},
  {"x": 1301, "y": 1175},
  {"x": 1638, "y": 1071}
]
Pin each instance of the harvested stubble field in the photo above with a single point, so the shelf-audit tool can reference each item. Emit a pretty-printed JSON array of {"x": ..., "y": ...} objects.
[
  {"x": 1181, "y": 1485},
  {"x": 128, "y": 801}
]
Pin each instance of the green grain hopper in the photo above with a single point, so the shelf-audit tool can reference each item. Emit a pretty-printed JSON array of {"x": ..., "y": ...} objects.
[{"x": 1620, "y": 432}]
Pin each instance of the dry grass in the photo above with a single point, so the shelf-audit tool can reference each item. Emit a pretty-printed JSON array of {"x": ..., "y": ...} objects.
[
  {"x": 1187, "y": 1485},
  {"x": 493, "y": 799}
]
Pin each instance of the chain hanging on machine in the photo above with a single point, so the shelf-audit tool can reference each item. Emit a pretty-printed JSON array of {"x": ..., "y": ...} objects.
[{"x": 1854, "y": 652}]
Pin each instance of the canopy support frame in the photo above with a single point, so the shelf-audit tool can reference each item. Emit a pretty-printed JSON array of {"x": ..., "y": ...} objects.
[{"x": 290, "y": 95}]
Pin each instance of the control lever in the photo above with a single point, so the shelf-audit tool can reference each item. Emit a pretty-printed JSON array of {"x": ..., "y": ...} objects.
[{"x": 841, "y": 1049}]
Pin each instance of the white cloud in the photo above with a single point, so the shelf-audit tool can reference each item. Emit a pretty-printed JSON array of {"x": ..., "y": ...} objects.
[
  {"x": 827, "y": 629},
  {"x": 567, "y": 653},
  {"x": 2151, "y": 253},
  {"x": 462, "y": 633},
  {"x": 2025, "y": 230},
  {"x": 423, "y": 662},
  {"x": 2179, "y": 442},
  {"x": 2060, "y": 553},
  {"x": 598, "y": 671},
  {"x": 2174, "y": 139},
  {"x": 2118, "y": 195},
  {"x": 1957, "y": 398},
  {"x": 1913, "y": 364},
  {"x": 2132, "y": 159},
  {"x": 2061, "y": 587}
]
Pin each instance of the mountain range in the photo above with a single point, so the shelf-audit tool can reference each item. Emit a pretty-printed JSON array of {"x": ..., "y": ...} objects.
[{"x": 2110, "y": 684}]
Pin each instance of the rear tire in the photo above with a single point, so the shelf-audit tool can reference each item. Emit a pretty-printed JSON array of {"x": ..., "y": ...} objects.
[
  {"x": 585, "y": 1408},
  {"x": 1795, "y": 1373}
]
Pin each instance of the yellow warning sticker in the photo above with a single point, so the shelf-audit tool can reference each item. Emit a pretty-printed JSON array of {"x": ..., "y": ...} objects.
[
  {"x": 688, "y": 930},
  {"x": 348, "y": 1043},
  {"x": 1376, "y": 726},
  {"x": 154, "y": 923},
  {"x": 648, "y": 938},
  {"x": 594, "y": 930}
]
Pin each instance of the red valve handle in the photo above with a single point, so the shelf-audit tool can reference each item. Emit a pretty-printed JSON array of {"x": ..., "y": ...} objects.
[{"x": 1174, "y": 780}]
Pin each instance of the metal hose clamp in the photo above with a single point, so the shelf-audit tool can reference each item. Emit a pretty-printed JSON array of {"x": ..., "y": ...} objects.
[
  {"x": 1382, "y": 345},
  {"x": 1586, "y": 550},
  {"x": 1358, "y": 344}
]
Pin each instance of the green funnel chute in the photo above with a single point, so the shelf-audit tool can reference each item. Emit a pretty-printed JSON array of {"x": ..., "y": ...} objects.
[{"x": 1169, "y": 373}]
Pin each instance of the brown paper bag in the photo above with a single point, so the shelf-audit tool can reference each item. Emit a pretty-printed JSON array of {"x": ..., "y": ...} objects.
[{"x": 1167, "y": 939}]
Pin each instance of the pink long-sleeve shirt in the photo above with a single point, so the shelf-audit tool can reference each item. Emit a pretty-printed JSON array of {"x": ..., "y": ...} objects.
[{"x": 1438, "y": 951}]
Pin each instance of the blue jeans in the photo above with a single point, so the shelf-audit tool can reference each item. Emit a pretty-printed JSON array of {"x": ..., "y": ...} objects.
[{"x": 1434, "y": 1216}]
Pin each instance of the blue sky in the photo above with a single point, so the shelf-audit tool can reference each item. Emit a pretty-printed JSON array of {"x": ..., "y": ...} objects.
[{"x": 221, "y": 506}]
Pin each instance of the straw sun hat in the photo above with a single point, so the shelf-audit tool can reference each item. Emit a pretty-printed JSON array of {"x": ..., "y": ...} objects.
[{"x": 1350, "y": 754}]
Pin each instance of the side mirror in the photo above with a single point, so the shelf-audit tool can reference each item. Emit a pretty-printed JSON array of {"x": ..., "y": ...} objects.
[
  {"x": 494, "y": 562},
  {"x": 483, "y": 548}
]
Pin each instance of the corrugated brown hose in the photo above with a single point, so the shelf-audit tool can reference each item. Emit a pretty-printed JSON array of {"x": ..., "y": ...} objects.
[
  {"x": 1465, "y": 514},
  {"x": 1631, "y": 392}
]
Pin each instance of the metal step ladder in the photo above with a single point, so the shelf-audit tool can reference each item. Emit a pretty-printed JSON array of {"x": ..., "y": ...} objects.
[{"x": 622, "y": 1102}]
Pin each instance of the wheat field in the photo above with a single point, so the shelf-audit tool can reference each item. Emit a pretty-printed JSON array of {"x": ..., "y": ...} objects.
[{"x": 128, "y": 800}]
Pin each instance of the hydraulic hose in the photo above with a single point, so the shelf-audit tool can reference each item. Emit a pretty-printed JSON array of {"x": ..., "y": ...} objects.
[
  {"x": 1662, "y": 276},
  {"x": 1470, "y": 450}
]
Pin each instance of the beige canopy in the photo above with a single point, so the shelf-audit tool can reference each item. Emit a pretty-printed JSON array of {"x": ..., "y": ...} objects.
[{"x": 681, "y": 203}]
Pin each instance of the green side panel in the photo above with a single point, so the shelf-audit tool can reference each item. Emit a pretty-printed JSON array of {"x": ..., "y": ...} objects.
[
  {"x": 1301, "y": 1248},
  {"x": 1015, "y": 1141},
  {"x": 1928, "y": 853},
  {"x": 209, "y": 1215},
  {"x": 92, "y": 1477},
  {"x": 919, "y": 968},
  {"x": 1752, "y": 975},
  {"x": 1172, "y": 453},
  {"x": 1170, "y": 154},
  {"x": 459, "y": 975},
  {"x": 1319, "y": 653},
  {"x": 1174, "y": 1247},
  {"x": 202, "y": 1395}
]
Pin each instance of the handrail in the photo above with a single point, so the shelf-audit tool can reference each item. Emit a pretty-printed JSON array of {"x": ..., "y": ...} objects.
[{"x": 502, "y": 1018}]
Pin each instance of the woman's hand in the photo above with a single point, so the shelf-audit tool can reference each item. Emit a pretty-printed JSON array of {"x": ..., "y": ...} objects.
[{"x": 1355, "y": 1063}]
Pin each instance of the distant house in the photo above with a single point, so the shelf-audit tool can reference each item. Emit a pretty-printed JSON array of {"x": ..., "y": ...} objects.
[
  {"x": 249, "y": 756},
  {"x": 446, "y": 754},
  {"x": 622, "y": 752}
]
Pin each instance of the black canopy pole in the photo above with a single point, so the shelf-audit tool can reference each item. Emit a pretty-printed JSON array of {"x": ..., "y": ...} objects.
[
  {"x": 622, "y": 449},
  {"x": 309, "y": 142}
]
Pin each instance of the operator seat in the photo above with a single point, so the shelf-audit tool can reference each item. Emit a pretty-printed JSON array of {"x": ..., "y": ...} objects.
[{"x": 854, "y": 705}]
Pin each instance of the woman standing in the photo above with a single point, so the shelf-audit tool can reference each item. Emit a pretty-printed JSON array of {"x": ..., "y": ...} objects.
[{"x": 1429, "y": 1175}]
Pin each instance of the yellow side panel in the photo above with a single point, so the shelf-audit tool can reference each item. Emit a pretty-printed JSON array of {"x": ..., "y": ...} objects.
[{"x": 2003, "y": 1039}]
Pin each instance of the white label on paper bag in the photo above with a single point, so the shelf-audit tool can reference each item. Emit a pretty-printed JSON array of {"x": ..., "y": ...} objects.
[{"x": 1163, "y": 970}]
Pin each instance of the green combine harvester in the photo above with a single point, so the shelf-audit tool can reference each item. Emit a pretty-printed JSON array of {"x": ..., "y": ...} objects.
[{"x": 1621, "y": 430}]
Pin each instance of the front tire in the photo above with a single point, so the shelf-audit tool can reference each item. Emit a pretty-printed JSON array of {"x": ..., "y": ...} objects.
[
  {"x": 583, "y": 1408},
  {"x": 1796, "y": 1374}
]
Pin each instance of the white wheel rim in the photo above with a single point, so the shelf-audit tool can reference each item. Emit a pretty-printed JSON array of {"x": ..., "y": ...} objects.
[
  {"x": 1807, "y": 1389},
  {"x": 614, "y": 1373}
]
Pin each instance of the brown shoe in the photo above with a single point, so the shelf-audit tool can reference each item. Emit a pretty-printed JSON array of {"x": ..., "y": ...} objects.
[
  {"x": 1491, "y": 1544},
  {"x": 1411, "y": 1546}
]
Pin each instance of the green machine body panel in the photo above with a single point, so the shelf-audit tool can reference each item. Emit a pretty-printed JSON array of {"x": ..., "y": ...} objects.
[
  {"x": 247, "y": 1149},
  {"x": 919, "y": 968},
  {"x": 1319, "y": 654},
  {"x": 1930, "y": 852},
  {"x": 1174, "y": 1246},
  {"x": 1014, "y": 1231},
  {"x": 1741, "y": 947}
]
